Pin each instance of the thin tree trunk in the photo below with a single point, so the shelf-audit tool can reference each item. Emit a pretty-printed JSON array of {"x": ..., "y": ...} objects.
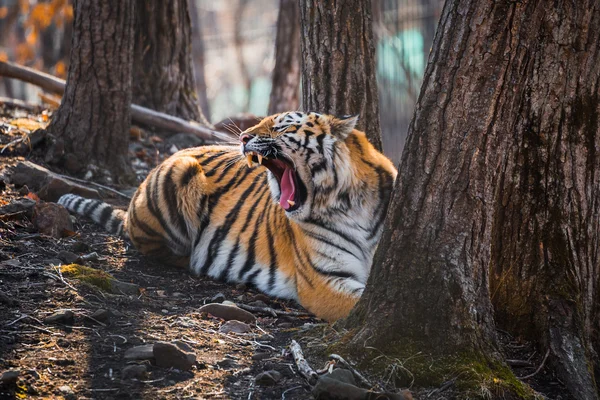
[
  {"x": 198, "y": 55},
  {"x": 500, "y": 169},
  {"x": 238, "y": 42},
  {"x": 286, "y": 74},
  {"x": 163, "y": 77},
  {"x": 338, "y": 56},
  {"x": 91, "y": 125}
]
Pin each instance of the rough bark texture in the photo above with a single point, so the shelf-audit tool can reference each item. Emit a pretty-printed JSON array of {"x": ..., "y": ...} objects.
[
  {"x": 338, "y": 62},
  {"x": 163, "y": 77},
  {"x": 286, "y": 74},
  {"x": 92, "y": 123},
  {"x": 498, "y": 191}
]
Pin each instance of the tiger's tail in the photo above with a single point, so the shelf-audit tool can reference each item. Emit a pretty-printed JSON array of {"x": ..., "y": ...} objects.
[{"x": 104, "y": 214}]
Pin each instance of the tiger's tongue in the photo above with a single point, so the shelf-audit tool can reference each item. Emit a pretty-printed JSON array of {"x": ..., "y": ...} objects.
[{"x": 288, "y": 188}]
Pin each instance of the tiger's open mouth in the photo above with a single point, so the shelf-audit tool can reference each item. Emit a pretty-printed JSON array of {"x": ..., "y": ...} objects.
[{"x": 292, "y": 191}]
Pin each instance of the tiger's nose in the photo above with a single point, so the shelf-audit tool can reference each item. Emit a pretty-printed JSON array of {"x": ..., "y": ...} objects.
[{"x": 245, "y": 138}]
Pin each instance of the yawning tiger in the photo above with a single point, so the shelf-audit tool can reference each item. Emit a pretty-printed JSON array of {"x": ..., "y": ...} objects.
[{"x": 296, "y": 210}]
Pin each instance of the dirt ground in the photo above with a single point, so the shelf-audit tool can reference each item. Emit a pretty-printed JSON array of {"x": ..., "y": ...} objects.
[{"x": 84, "y": 356}]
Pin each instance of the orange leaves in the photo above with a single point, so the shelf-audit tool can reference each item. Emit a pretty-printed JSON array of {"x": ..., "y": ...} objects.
[
  {"x": 3, "y": 12},
  {"x": 60, "y": 69}
]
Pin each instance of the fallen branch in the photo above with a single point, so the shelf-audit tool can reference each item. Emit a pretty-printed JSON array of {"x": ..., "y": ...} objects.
[
  {"x": 303, "y": 367},
  {"x": 139, "y": 114},
  {"x": 84, "y": 182}
]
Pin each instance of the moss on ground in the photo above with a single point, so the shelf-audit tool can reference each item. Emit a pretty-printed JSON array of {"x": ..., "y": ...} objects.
[{"x": 88, "y": 275}]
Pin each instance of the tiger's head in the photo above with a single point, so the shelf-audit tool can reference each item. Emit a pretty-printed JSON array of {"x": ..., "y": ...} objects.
[{"x": 317, "y": 163}]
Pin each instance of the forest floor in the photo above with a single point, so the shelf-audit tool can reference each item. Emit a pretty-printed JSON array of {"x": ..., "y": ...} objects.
[{"x": 69, "y": 337}]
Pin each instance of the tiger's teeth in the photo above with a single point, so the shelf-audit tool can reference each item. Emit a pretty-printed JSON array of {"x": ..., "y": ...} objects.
[
  {"x": 291, "y": 203},
  {"x": 249, "y": 159},
  {"x": 259, "y": 159}
]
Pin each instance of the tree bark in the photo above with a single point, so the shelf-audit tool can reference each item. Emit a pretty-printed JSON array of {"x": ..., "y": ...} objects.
[
  {"x": 500, "y": 171},
  {"x": 91, "y": 125},
  {"x": 286, "y": 74},
  {"x": 163, "y": 77},
  {"x": 338, "y": 62}
]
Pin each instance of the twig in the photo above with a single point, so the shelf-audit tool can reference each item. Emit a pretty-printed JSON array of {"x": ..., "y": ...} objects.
[
  {"x": 538, "y": 369},
  {"x": 361, "y": 379},
  {"x": 83, "y": 181},
  {"x": 273, "y": 312},
  {"x": 303, "y": 367},
  {"x": 16, "y": 103},
  {"x": 289, "y": 390}
]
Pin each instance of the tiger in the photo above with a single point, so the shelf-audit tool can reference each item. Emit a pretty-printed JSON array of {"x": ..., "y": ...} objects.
[{"x": 296, "y": 210}]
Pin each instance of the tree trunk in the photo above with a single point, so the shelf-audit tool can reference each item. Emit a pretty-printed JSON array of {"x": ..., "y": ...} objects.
[
  {"x": 338, "y": 56},
  {"x": 198, "y": 55},
  {"x": 92, "y": 123},
  {"x": 286, "y": 74},
  {"x": 163, "y": 77},
  {"x": 499, "y": 171}
]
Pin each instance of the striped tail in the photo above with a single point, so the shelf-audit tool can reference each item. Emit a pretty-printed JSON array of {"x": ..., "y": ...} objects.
[{"x": 101, "y": 213}]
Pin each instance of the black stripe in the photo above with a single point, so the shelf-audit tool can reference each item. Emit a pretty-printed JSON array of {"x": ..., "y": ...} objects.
[
  {"x": 323, "y": 239},
  {"x": 212, "y": 157},
  {"x": 300, "y": 261},
  {"x": 76, "y": 204},
  {"x": 223, "y": 230},
  {"x": 321, "y": 224},
  {"x": 213, "y": 169},
  {"x": 152, "y": 200},
  {"x": 271, "y": 242},
  {"x": 92, "y": 207},
  {"x": 105, "y": 216},
  {"x": 135, "y": 222},
  {"x": 189, "y": 174},
  {"x": 170, "y": 196},
  {"x": 251, "y": 257},
  {"x": 234, "y": 252}
]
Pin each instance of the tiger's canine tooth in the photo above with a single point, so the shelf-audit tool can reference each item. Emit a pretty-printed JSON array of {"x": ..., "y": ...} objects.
[
  {"x": 260, "y": 159},
  {"x": 249, "y": 159},
  {"x": 291, "y": 203}
]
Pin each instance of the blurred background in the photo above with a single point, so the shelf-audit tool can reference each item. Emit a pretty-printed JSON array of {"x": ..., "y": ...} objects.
[{"x": 233, "y": 41}]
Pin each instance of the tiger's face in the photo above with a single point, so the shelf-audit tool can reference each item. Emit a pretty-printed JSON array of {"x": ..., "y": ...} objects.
[{"x": 312, "y": 160}]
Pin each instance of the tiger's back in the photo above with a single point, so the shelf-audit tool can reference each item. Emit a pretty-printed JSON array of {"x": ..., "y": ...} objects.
[{"x": 306, "y": 232}]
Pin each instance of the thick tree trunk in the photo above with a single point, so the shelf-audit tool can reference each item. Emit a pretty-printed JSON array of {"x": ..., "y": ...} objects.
[
  {"x": 338, "y": 56},
  {"x": 163, "y": 77},
  {"x": 286, "y": 74},
  {"x": 500, "y": 170},
  {"x": 92, "y": 123}
]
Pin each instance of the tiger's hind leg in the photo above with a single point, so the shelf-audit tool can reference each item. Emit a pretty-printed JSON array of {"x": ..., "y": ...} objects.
[{"x": 164, "y": 213}]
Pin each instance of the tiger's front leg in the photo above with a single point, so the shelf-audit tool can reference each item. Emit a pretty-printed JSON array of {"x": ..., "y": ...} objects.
[{"x": 329, "y": 299}]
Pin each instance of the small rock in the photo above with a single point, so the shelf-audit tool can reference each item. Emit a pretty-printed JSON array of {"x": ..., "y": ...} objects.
[
  {"x": 258, "y": 303},
  {"x": 234, "y": 326},
  {"x": 23, "y": 191},
  {"x": 134, "y": 372},
  {"x": 227, "y": 363},
  {"x": 93, "y": 256},
  {"x": 119, "y": 287},
  {"x": 10, "y": 376},
  {"x": 268, "y": 378},
  {"x": 67, "y": 257},
  {"x": 143, "y": 352},
  {"x": 285, "y": 325},
  {"x": 218, "y": 298},
  {"x": 260, "y": 356},
  {"x": 228, "y": 312},
  {"x": 262, "y": 297},
  {"x": 332, "y": 389},
  {"x": 56, "y": 187},
  {"x": 60, "y": 317},
  {"x": 67, "y": 392},
  {"x": 101, "y": 315},
  {"x": 265, "y": 337},
  {"x": 52, "y": 219},
  {"x": 229, "y": 303},
  {"x": 342, "y": 375},
  {"x": 80, "y": 247},
  {"x": 241, "y": 286},
  {"x": 174, "y": 355},
  {"x": 64, "y": 343}
]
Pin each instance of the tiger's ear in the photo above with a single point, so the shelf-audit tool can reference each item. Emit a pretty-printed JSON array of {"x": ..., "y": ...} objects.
[{"x": 341, "y": 127}]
